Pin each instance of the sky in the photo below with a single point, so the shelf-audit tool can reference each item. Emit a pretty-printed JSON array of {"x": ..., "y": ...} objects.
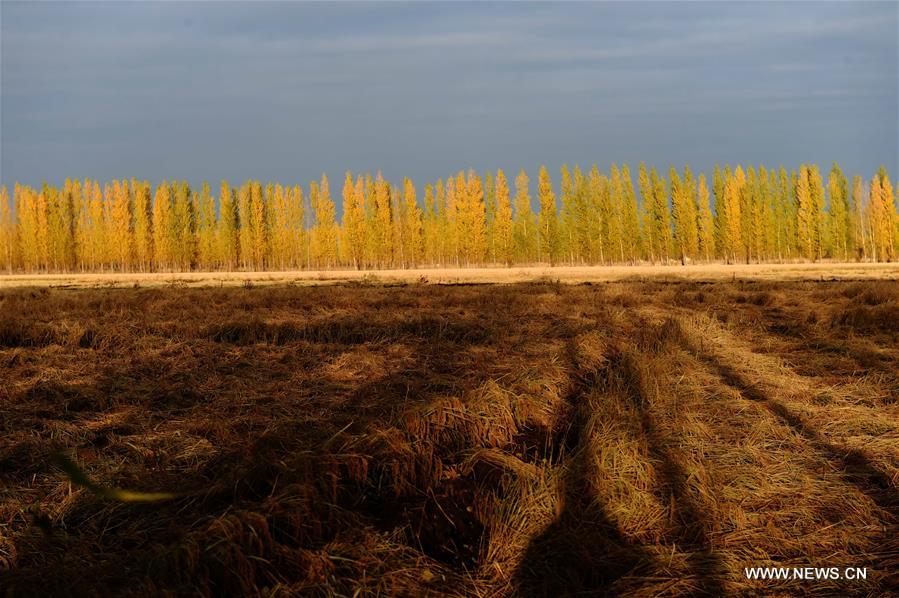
[{"x": 287, "y": 91}]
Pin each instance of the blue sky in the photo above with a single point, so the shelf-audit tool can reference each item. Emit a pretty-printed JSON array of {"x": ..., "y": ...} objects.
[{"x": 285, "y": 91}]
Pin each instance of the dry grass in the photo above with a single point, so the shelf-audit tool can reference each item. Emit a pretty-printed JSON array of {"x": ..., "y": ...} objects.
[
  {"x": 648, "y": 439},
  {"x": 492, "y": 275}
]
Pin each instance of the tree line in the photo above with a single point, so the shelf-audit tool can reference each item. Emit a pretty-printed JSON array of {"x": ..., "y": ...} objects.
[{"x": 742, "y": 215}]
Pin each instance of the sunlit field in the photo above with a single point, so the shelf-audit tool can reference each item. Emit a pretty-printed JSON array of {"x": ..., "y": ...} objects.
[
  {"x": 633, "y": 438},
  {"x": 819, "y": 271}
]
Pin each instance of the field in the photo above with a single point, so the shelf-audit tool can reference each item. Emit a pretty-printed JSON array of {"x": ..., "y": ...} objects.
[
  {"x": 519, "y": 274},
  {"x": 636, "y": 438}
]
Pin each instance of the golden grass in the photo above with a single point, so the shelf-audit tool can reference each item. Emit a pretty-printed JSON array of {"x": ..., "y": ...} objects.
[{"x": 638, "y": 438}]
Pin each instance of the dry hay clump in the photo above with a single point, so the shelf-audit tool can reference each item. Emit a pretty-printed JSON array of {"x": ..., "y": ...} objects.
[
  {"x": 879, "y": 317},
  {"x": 536, "y": 439},
  {"x": 865, "y": 308}
]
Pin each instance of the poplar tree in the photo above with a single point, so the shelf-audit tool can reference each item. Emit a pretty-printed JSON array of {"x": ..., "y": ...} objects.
[
  {"x": 454, "y": 193},
  {"x": 246, "y": 233},
  {"x": 229, "y": 226},
  {"x": 353, "y": 220},
  {"x": 857, "y": 221},
  {"x": 876, "y": 219},
  {"x": 810, "y": 214},
  {"x": 412, "y": 226},
  {"x": 31, "y": 232},
  {"x": 47, "y": 199},
  {"x": 586, "y": 228},
  {"x": 474, "y": 228},
  {"x": 768, "y": 182},
  {"x": 462, "y": 218},
  {"x": 548, "y": 222},
  {"x": 764, "y": 224},
  {"x": 631, "y": 220},
  {"x": 25, "y": 233},
  {"x": 883, "y": 218},
  {"x": 490, "y": 215},
  {"x": 26, "y": 227},
  {"x": 605, "y": 222},
  {"x": 259, "y": 225},
  {"x": 679, "y": 217},
  {"x": 83, "y": 232},
  {"x": 54, "y": 228},
  {"x": 297, "y": 225},
  {"x": 567, "y": 244},
  {"x": 442, "y": 222},
  {"x": 89, "y": 230},
  {"x": 98, "y": 227},
  {"x": 646, "y": 201},
  {"x": 121, "y": 225},
  {"x": 805, "y": 230},
  {"x": 60, "y": 218},
  {"x": 816, "y": 187},
  {"x": 750, "y": 216},
  {"x": 143, "y": 226},
  {"x": 281, "y": 228},
  {"x": 599, "y": 218},
  {"x": 430, "y": 227},
  {"x": 619, "y": 209},
  {"x": 72, "y": 207},
  {"x": 731, "y": 230},
  {"x": 184, "y": 223},
  {"x": 42, "y": 206},
  {"x": 747, "y": 214},
  {"x": 106, "y": 250},
  {"x": 683, "y": 214},
  {"x": 7, "y": 232},
  {"x": 661, "y": 214},
  {"x": 502, "y": 226},
  {"x": 49, "y": 212},
  {"x": 839, "y": 213},
  {"x": 706, "y": 225},
  {"x": 206, "y": 229},
  {"x": 790, "y": 214},
  {"x": 383, "y": 227},
  {"x": 655, "y": 214},
  {"x": 524, "y": 228},
  {"x": 371, "y": 213},
  {"x": 162, "y": 227},
  {"x": 454, "y": 187},
  {"x": 324, "y": 233},
  {"x": 718, "y": 184},
  {"x": 893, "y": 201},
  {"x": 399, "y": 218},
  {"x": 779, "y": 210}
]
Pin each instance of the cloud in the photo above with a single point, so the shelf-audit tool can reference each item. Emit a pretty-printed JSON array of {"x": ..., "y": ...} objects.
[{"x": 426, "y": 83}]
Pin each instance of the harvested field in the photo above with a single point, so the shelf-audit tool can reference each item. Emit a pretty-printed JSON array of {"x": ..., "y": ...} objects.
[{"x": 647, "y": 439}]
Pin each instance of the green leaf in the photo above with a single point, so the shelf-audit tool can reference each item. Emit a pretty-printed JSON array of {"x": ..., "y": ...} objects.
[{"x": 81, "y": 479}]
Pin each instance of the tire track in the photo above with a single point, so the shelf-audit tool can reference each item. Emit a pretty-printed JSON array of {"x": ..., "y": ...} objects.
[{"x": 856, "y": 468}]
